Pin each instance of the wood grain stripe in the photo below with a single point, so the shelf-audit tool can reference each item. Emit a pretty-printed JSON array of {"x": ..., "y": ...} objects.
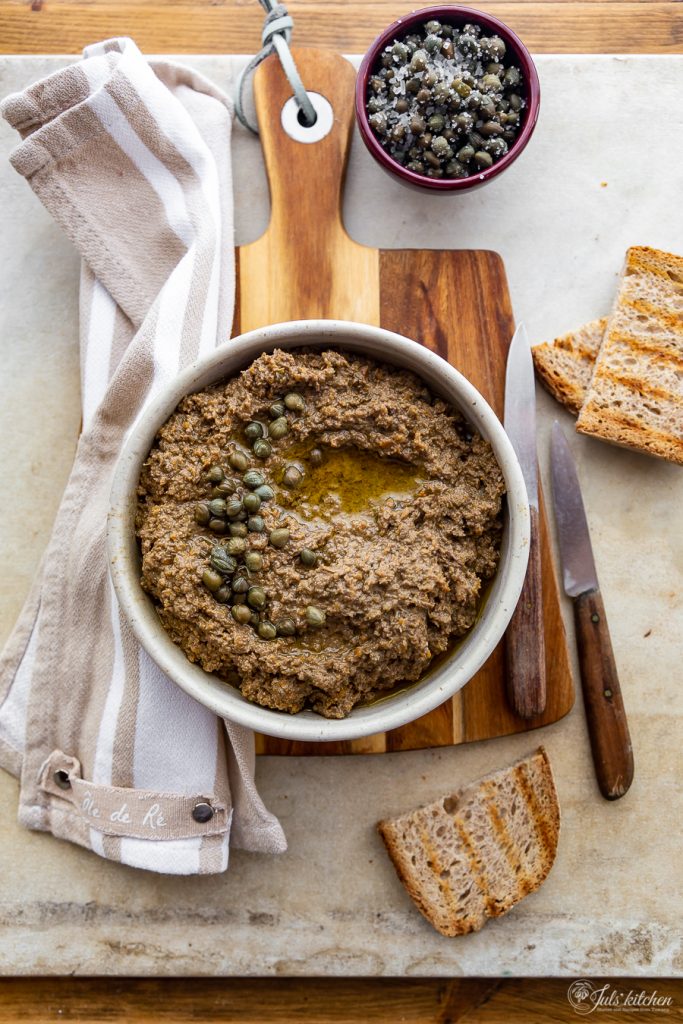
[
  {"x": 307, "y": 1000},
  {"x": 211, "y": 26}
]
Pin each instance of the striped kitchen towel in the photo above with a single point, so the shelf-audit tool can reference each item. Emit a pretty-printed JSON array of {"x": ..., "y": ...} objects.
[{"x": 133, "y": 160}]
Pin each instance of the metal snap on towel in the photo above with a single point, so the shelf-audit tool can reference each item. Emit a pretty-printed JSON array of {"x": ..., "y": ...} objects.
[
  {"x": 294, "y": 126},
  {"x": 202, "y": 812},
  {"x": 62, "y": 779}
]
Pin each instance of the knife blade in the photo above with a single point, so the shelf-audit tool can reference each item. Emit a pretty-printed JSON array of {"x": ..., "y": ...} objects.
[
  {"x": 605, "y": 714},
  {"x": 524, "y": 637}
]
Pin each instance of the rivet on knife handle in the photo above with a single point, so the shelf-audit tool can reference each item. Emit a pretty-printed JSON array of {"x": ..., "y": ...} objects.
[
  {"x": 524, "y": 638},
  {"x": 607, "y": 725}
]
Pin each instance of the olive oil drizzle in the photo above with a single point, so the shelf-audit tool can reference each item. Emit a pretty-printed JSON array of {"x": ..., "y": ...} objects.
[{"x": 352, "y": 477}]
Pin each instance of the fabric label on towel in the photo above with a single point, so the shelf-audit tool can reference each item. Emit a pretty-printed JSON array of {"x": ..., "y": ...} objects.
[{"x": 134, "y": 813}]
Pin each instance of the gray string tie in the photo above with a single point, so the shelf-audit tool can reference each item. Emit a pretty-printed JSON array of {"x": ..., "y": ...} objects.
[{"x": 276, "y": 34}]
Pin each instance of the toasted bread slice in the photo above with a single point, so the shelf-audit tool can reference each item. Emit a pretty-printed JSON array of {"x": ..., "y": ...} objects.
[
  {"x": 635, "y": 397},
  {"x": 565, "y": 365},
  {"x": 473, "y": 855}
]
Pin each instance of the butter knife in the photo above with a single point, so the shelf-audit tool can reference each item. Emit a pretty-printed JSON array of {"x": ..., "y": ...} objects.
[
  {"x": 524, "y": 638},
  {"x": 607, "y": 725}
]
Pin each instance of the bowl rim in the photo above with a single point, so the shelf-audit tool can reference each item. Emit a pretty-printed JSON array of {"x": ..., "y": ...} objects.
[
  {"x": 438, "y": 684},
  {"x": 399, "y": 28}
]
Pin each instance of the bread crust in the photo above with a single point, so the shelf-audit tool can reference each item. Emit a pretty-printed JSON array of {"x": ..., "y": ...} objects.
[{"x": 609, "y": 425}]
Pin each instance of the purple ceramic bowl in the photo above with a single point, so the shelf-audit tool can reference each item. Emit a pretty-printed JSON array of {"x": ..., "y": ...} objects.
[{"x": 454, "y": 15}]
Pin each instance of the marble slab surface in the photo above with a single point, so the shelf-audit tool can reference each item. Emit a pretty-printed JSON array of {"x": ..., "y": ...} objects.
[{"x": 604, "y": 171}]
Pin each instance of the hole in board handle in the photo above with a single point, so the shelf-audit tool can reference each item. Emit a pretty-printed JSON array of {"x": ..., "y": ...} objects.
[
  {"x": 301, "y": 118},
  {"x": 294, "y": 125}
]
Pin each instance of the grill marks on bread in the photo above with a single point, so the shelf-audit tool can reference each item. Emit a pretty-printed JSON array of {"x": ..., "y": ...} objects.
[
  {"x": 473, "y": 855},
  {"x": 635, "y": 397},
  {"x": 565, "y": 366}
]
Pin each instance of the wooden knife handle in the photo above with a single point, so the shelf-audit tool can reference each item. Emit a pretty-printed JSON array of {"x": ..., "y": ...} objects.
[
  {"x": 607, "y": 725},
  {"x": 524, "y": 638}
]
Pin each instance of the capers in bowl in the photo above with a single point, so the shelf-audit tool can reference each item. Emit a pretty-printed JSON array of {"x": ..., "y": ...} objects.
[{"x": 427, "y": 87}]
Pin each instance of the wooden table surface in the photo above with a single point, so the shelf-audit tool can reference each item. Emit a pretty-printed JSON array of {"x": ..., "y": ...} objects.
[{"x": 233, "y": 26}]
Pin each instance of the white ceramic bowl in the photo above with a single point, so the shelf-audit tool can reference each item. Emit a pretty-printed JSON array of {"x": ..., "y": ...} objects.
[{"x": 437, "y": 685}]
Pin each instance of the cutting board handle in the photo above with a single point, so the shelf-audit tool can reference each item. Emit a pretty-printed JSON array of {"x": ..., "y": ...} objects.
[
  {"x": 306, "y": 179},
  {"x": 305, "y": 265}
]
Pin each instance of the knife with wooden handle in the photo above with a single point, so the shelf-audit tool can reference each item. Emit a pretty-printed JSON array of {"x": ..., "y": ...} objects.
[
  {"x": 524, "y": 637},
  {"x": 607, "y": 725}
]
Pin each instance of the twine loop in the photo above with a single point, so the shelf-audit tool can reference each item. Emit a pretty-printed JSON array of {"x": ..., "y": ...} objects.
[{"x": 275, "y": 37}]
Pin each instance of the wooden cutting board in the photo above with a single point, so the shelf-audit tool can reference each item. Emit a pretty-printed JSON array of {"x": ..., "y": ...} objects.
[{"x": 455, "y": 302}]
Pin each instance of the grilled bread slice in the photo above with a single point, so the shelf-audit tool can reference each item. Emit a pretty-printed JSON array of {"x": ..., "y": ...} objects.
[
  {"x": 635, "y": 396},
  {"x": 565, "y": 365},
  {"x": 473, "y": 855}
]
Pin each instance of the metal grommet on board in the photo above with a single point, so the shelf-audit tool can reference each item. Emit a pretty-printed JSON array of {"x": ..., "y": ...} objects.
[
  {"x": 202, "y": 812},
  {"x": 61, "y": 779},
  {"x": 294, "y": 126}
]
